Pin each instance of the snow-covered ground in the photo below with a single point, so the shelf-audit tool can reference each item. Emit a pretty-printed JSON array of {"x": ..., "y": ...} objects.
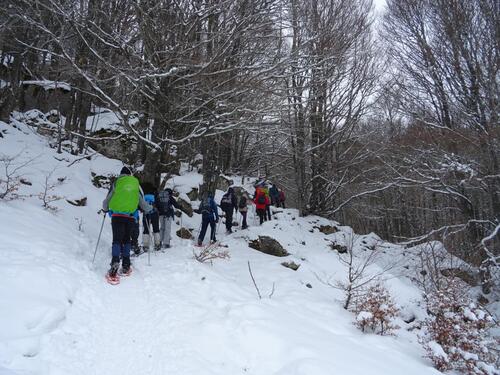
[{"x": 177, "y": 316}]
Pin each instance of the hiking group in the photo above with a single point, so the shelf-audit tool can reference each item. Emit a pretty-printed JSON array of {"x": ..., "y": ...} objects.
[{"x": 127, "y": 198}]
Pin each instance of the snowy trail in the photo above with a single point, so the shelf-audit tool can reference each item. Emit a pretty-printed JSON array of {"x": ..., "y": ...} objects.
[{"x": 182, "y": 317}]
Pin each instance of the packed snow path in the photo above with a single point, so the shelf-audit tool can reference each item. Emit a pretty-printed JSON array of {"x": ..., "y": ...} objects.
[{"x": 179, "y": 317}]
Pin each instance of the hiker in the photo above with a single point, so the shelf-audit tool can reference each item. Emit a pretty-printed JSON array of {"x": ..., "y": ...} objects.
[
  {"x": 229, "y": 203},
  {"x": 209, "y": 215},
  {"x": 243, "y": 207},
  {"x": 275, "y": 195},
  {"x": 267, "y": 215},
  {"x": 282, "y": 198},
  {"x": 165, "y": 202},
  {"x": 151, "y": 219},
  {"x": 123, "y": 199},
  {"x": 261, "y": 200},
  {"x": 134, "y": 234}
]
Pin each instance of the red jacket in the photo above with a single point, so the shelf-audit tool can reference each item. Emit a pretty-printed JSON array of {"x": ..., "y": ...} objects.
[{"x": 261, "y": 206}]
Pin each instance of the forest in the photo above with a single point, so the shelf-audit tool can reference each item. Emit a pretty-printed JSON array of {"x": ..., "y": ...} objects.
[{"x": 387, "y": 122}]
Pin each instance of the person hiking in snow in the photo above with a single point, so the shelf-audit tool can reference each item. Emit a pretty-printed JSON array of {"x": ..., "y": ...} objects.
[
  {"x": 123, "y": 199},
  {"x": 282, "y": 198},
  {"x": 151, "y": 219},
  {"x": 165, "y": 204},
  {"x": 267, "y": 215},
  {"x": 261, "y": 200},
  {"x": 275, "y": 195},
  {"x": 229, "y": 203},
  {"x": 209, "y": 215},
  {"x": 243, "y": 207}
]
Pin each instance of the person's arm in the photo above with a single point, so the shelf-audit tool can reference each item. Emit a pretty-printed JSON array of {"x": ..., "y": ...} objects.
[
  {"x": 105, "y": 202},
  {"x": 145, "y": 206},
  {"x": 215, "y": 209}
]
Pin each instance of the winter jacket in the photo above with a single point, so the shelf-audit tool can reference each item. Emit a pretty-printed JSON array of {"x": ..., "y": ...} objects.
[
  {"x": 124, "y": 196},
  {"x": 274, "y": 192},
  {"x": 261, "y": 206}
]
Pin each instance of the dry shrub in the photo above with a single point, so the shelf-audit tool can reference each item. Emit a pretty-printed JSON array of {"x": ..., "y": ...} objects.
[
  {"x": 458, "y": 332},
  {"x": 210, "y": 253},
  {"x": 375, "y": 310}
]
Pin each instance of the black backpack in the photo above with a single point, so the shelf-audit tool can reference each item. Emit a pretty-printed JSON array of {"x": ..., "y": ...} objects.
[
  {"x": 243, "y": 202},
  {"x": 163, "y": 203},
  {"x": 205, "y": 207}
]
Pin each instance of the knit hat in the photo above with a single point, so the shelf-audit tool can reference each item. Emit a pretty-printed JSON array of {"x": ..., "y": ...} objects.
[{"x": 125, "y": 170}]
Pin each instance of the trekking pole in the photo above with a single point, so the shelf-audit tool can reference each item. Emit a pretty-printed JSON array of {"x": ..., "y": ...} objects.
[{"x": 99, "y": 238}]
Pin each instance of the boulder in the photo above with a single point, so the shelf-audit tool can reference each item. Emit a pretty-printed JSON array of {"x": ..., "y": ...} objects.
[
  {"x": 327, "y": 229},
  {"x": 269, "y": 246},
  {"x": 101, "y": 181},
  {"x": 291, "y": 265},
  {"x": 78, "y": 202},
  {"x": 193, "y": 194},
  {"x": 464, "y": 275},
  {"x": 184, "y": 233},
  {"x": 341, "y": 249},
  {"x": 185, "y": 207}
]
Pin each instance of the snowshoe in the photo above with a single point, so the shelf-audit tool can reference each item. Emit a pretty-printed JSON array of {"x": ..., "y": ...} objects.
[{"x": 125, "y": 271}]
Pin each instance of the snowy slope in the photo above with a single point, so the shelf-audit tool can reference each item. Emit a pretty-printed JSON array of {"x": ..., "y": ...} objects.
[{"x": 177, "y": 316}]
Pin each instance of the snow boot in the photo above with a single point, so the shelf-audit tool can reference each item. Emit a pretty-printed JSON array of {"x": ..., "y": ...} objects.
[{"x": 156, "y": 237}]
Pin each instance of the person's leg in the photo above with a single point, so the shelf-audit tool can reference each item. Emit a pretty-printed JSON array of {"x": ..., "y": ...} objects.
[
  {"x": 163, "y": 220},
  {"x": 229, "y": 220},
  {"x": 268, "y": 211},
  {"x": 127, "y": 244},
  {"x": 204, "y": 226},
  {"x": 145, "y": 232},
  {"x": 135, "y": 236},
  {"x": 118, "y": 228},
  {"x": 261, "y": 212},
  {"x": 213, "y": 228},
  {"x": 167, "y": 230},
  {"x": 155, "y": 223},
  {"x": 244, "y": 224}
]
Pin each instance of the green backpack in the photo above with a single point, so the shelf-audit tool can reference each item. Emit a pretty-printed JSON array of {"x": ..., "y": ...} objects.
[{"x": 125, "y": 197}]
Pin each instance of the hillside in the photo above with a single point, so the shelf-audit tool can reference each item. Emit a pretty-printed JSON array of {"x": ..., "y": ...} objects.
[{"x": 178, "y": 316}]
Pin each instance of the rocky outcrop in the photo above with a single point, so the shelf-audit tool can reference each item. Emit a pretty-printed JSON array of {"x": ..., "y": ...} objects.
[
  {"x": 185, "y": 206},
  {"x": 341, "y": 249},
  {"x": 327, "y": 229},
  {"x": 268, "y": 245},
  {"x": 184, "y": 233},
  {"x": 193, "y": 194}
]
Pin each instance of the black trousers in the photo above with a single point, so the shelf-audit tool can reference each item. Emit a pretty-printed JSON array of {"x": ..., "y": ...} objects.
[
  {"x": 135, "y": 233},
  {"x": 244, "y": 216},
  {"x": 262, "y": 214},
  {"x": 154, "y": 220},
  {"x": 229, "y": 219},
  {"x": 203, "y": 231},
  {"x": 268, "y": 211},
  {"x": 122, "y": 229}
]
